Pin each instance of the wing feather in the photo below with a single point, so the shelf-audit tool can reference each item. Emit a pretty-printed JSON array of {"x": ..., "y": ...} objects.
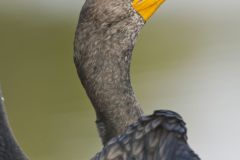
[{"x": 160, "y": 136}]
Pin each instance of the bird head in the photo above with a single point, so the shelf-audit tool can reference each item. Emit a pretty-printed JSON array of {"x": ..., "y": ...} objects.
[
  {"x": 112, "y": 25},
  {"x": 110, "y": 12}
]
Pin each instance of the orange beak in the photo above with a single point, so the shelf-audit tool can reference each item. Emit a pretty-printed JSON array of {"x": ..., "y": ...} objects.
[{"x": 146, "y": 8}]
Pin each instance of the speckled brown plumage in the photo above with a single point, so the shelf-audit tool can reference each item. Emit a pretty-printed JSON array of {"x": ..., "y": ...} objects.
[
  {"x": 105, "y": 37},
  {"x": 9, "y": 149},
  {"x": 104, "y": 40},
  {"x": 103, "y": 46}
]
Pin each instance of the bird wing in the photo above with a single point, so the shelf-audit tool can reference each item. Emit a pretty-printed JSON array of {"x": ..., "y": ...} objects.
[
  {"x": 160, "y": 136},
  {"x": 9, "y": 149}
]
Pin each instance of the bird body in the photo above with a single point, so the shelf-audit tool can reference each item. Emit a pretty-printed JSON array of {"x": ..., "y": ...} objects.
[{"x": 9, "y": 149}]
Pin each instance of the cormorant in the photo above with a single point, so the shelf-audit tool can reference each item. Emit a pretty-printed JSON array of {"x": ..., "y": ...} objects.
[
  {"x": 104, "y": 40},
  {"x": 105, "y": 37}
]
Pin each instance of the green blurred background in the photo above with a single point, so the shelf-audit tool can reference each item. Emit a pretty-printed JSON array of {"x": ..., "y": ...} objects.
[{"x": 186, "y": 59}]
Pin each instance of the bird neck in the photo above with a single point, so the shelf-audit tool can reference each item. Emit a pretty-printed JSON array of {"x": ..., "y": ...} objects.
[{"x": 102, "y": 57}]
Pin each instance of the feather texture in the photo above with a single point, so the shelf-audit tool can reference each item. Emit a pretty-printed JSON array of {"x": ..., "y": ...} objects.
[{"x": 160, "y": 136}]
